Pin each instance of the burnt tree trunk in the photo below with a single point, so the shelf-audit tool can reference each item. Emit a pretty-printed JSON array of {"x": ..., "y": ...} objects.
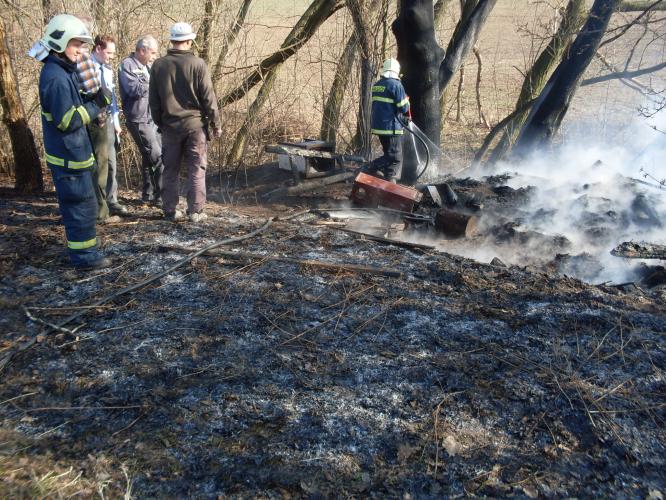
[
  {"x": 547, "y": 113},
  {"x": 26, "y": 158},
  {"x": 420, "y": 58},
  {"x": 427, "y": 68},
  {"x": 537, "y": 77}
]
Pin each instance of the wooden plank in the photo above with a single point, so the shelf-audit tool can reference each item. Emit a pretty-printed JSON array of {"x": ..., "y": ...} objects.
[{"x": 291, "y": 150}]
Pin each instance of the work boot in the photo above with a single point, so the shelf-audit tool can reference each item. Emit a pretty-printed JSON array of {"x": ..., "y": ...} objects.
[
  {"x": 118, "y": 209},
  {"x": 198, "y": 216},
  {"x": 110, "y": 220},
  {"x": 174, "y": 216},
  {"x": 101, "y": 263}
]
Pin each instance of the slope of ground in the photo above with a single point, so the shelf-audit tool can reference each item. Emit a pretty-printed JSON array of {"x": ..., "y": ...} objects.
[{"x": 427, "y": 375}]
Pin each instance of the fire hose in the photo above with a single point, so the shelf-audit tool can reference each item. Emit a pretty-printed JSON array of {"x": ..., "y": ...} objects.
[{"x": 407, "y": 124}]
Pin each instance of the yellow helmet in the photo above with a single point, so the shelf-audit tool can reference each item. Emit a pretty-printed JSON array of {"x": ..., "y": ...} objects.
[{"x": 63, "y": 28}]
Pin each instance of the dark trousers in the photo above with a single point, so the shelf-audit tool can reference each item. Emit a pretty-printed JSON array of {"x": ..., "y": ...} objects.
[
  {"x": 99, "y": 136},
  {"x": 149, "y": 142},
  {"x": 189, "y": 147},
  {"x": 78, "y": 208},
  {"x": 391, "y": 161}
]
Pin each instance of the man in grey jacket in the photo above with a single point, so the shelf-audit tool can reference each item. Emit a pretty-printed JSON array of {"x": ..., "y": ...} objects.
[
  {"x": 184, "y": 107},
  {"x": 134, "y": 79}
]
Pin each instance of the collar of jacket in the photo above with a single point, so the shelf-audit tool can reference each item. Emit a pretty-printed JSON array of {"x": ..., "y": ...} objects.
[
  {"x": 179, "y": 52},
  {"x": 68, "y": 65},
  {"x": 136, "y": 60}
]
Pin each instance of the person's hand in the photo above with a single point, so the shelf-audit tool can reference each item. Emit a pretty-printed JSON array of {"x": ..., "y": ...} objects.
[
  {"x": 118, "y": 130},
  {"x": 103, "y": 97},
  {"x": 217, "y": 133}
]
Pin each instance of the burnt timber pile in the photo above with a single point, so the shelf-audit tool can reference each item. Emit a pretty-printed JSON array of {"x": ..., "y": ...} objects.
[{"x": 308, "y": 361}]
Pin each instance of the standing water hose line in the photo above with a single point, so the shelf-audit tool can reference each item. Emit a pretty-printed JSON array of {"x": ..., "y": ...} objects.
[{"x": 407, "y": 125}]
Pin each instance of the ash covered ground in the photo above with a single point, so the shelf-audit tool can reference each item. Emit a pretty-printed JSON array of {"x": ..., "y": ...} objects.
[{"x": 433, "y": 376}]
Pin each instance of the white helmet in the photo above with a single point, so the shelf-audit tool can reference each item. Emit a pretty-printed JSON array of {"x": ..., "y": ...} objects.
[
  {"x": 181, "y": 32},
  {"x": 391, "y": 68},
  {"x": 63, "y": 28}
]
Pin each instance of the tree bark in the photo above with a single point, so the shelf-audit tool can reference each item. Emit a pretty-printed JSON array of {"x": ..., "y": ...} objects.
[
  {"x": 641, "y": 5},
  {"x": 537, "y": 76},
  {"x": 240, "y": 142},
  {"x": 331, "y": 119},
  {"x": 463, "y": 41},
  {"x": 318, "y": 12},
  {"x": 420, "y": 58},
  {"x": 362, "y": 14},
  {"x": 206, "y": 29},
  {"x": 26, "y": 158},
  {"x": 547, "y": 114},
  {"x": 229, "y": 40}
]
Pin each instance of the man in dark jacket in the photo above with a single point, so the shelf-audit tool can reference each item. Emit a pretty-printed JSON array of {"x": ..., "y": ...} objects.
[
  {"x": 184, "y": 107},
  {"x": 69, "y": 153},
  {"x": 389, "y": 100},
  {"x": 134, "y": 79}
]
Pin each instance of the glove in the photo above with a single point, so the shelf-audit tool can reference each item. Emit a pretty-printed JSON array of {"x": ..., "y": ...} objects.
[
  {"x": 103, "y": 97},
  {"x": 407, "y": 119}
]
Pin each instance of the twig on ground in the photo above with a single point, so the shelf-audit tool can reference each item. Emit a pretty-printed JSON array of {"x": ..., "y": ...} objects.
[
  {"x": 46, "y": 323},
  {"x": 25, "y": 346},
  {"x": 18, "y": 397}
]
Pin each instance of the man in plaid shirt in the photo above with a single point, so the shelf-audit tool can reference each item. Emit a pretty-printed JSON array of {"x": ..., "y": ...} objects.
[{"x": 88, "y": 74}]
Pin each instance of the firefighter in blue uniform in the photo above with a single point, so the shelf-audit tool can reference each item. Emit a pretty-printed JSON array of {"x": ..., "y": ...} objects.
[
  {"x": 389, "y": 102},
  {"x": 67, "y": 145}
]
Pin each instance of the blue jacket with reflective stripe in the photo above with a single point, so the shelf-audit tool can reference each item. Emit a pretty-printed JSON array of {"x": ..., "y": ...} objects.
[
  {"x": 65, "y": 116},
  {"x": 388, "y": 99}
]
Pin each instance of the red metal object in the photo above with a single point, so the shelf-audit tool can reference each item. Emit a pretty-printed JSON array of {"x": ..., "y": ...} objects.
[{"x": 369, "y": 191}]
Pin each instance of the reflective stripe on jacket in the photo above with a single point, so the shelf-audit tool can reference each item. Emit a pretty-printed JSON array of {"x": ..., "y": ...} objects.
[
  {"x": 388, "y": 99},
  {"x": 65, "y": 116}
]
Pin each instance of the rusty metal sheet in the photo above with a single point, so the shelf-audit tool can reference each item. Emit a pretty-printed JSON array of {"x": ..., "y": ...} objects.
[{"x": 369, "y": 191}]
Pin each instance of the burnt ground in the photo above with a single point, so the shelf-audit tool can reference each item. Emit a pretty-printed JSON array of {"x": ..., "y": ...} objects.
[{"x": 273, "y": 379}]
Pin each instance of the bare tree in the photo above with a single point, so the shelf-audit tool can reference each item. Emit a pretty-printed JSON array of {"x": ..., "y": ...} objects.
[
  {"x": 535, "y": 79},
  {"x": 26, "y": 158},
  {"x": 206, "y": 29},
  {"x": 314, "y": 16},
  {"x": 641, "y": 5},
  {"x": 318, "y": 12},
  {"x": 331, "y": 116},
  {"x": 230, "y": 38},
  {"x": 551, "y": 106},
  {"x": 367, "y": 17}
]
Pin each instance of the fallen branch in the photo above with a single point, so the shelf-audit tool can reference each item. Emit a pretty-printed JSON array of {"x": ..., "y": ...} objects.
[
  {"x": 46, "y": 323},
  {"x": 388, "y": 241},
  {"x": 356, "y": 268}
]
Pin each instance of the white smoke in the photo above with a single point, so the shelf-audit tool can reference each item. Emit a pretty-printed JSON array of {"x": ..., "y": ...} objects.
[{"x": 587, "y": 192}]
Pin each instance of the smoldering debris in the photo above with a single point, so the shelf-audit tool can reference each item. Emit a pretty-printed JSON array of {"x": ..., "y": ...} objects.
[{"x": 271, "y": 378}]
